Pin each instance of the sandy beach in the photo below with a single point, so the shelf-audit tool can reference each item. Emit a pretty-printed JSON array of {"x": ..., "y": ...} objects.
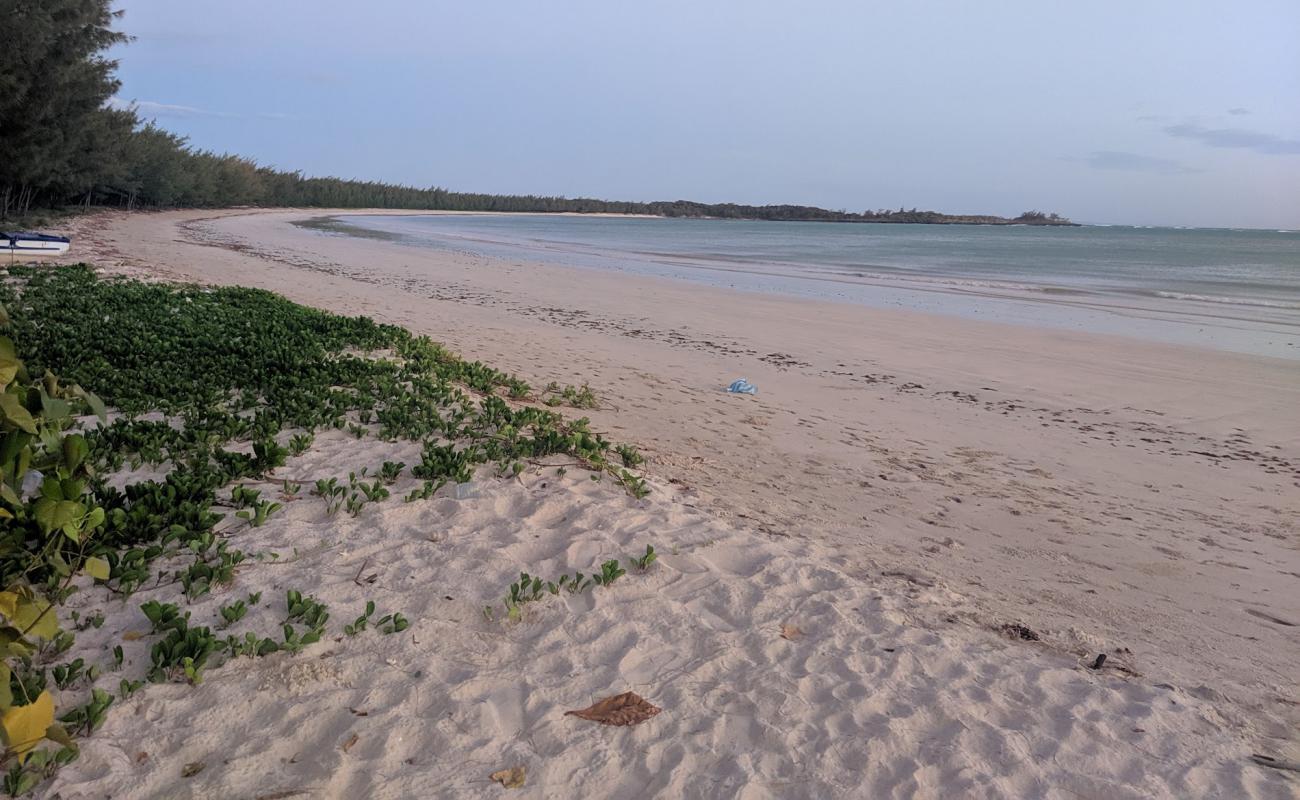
[{"x": 843, "y": 555}]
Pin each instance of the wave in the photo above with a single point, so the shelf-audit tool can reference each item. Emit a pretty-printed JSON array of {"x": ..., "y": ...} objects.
[{"x": 1232, "y": 301}]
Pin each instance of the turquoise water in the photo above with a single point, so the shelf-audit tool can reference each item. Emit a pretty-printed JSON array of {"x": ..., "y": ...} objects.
[{"x": 1229, "y": 289}]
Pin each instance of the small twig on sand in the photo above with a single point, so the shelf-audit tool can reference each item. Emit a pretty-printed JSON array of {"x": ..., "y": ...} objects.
[
  {"x": 358, "y": 580},
  {"x": 539, "y": 463},
  {"x": 1275, "y": 763},
  {"x": 281, "y": 795}
]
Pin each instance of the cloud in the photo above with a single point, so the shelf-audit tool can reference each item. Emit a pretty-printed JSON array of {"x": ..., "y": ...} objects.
[
  {"x": 1133, "y": 162},
  {"x": 1238, "y": 112},
  {"x": 1265, "y": 143},
  {"x": 150, "y": 109}
]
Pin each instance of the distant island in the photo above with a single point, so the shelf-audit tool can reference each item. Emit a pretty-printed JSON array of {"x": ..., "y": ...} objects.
[
  {"x": 787, "y": 213},
  {"x": 336, "y": 193}
]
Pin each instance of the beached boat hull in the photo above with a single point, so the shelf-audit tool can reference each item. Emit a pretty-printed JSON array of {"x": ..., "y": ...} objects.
[{"x": 32, "y": 245}]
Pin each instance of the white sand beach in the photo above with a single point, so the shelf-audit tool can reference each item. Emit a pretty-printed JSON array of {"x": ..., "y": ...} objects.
[{"x": 901, "y": 489}]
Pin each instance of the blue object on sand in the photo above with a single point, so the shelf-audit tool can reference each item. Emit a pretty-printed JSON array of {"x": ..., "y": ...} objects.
[{"x": 742, "y": 386}]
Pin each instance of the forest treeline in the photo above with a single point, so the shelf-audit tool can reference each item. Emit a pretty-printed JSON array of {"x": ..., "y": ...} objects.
[{"x": 63, "y": 143}]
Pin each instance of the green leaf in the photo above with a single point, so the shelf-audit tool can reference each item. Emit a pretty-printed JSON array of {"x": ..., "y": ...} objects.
[
  {"x": 53, "y": 515},
  {"x": 57, "y": 734},
  {"x": 8, "y": 370},
  {"x": 16, "y": 414},
  {"x": 74, "y": 451},
  {"x": 54, "y": 408},
  {"x": 52, "y": 488},
  {"x": 9, "y": 495},
  {"x": 6, "y": 692},
  {"x": 96, "y": 568},
  {"x": 96, "y": 405},
  {"x": 59, "y": 565}
]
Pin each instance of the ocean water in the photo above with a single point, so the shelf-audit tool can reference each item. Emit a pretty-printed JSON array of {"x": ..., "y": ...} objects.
[{"x": 1237, "y": 290}]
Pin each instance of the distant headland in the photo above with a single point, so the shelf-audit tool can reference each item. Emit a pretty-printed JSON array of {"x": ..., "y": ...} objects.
[{"x": 787, "y": 213}]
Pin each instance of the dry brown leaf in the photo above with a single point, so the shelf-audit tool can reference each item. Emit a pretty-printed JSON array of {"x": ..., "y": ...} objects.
[
  {"x": 627, "y": 708},
  {"x": 791, "y": 632},
  {"x": 131, "y": 636},
  {"x": 191, "y": 769},
  {"x": 512, "y": 778},
  {"x": 141, "y": 757},
  {"x": 352, "y": 740}
]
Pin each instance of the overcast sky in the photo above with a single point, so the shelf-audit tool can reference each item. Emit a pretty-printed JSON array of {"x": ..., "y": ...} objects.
[{"x": 1181, "y": 112}]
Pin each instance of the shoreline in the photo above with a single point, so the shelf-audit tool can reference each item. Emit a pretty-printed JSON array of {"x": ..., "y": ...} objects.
[
  {"x": 1149, "y": 314},
  {"x": 1102, "y": 492}
]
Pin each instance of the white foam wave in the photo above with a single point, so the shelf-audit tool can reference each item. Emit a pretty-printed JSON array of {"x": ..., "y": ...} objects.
[{"x": 1232, "y": 301}]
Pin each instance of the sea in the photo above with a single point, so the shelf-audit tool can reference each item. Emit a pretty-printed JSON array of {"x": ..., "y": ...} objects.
[{"x": 1227, "y": 289}]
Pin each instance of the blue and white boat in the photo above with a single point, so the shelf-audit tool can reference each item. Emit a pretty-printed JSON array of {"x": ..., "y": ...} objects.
[{"x": 24, "y": 245}]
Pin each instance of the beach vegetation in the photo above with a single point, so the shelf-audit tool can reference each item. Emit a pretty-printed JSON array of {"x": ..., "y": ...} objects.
[
  {"x": 531, "y": 588},
  {"x": 163, "y": 616},
  {"x": 630, "y": 455},
  {"x": 634, "y": 484},
  {"x": 182, "y": 652},
  {"x": 300, "y": 443},
  {"x": 423, "y": 492},
  {"x": 234, "y": 612},
  {"x": 610, "y": 571},
  {"x": 305, "y": 609},
  {"x": 250, "y": 645},
  {"x": 259, "y": 513},
  {"x": 574, "y": 396},
  {"x": 256, "y": 369},
  {"x": 85, "y": 718},
  {"x": 390, "y": 471},
  {"x": 643, "y": 562},
  {"x": 294, "y": 641},
  {"x": 392, "y": 623},
  {"x": 359, "y": 624}
]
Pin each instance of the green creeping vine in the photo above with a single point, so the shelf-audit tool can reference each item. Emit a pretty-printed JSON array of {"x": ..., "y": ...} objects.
[
  {"x": 630, "y": 455},
  {"x": 234, "y": 612},
  {"x": 531, "y": 588},
  {"x": 360, "y": 623},
  {"x": 259, "y": 512},
  {"x": 236, "y": 372},
  {"x": 390, "y": 471},
  {"x": 644, "y": 561},
  {"x": 183, "y": 651},
  {"x": 577, "y": 397},
  {"x": 389, "y": 623},
  {"x": 306, "y": 610}
]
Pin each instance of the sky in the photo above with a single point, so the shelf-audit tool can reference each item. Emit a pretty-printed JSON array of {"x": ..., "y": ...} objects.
[{"x": 1144, "y": 113}]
